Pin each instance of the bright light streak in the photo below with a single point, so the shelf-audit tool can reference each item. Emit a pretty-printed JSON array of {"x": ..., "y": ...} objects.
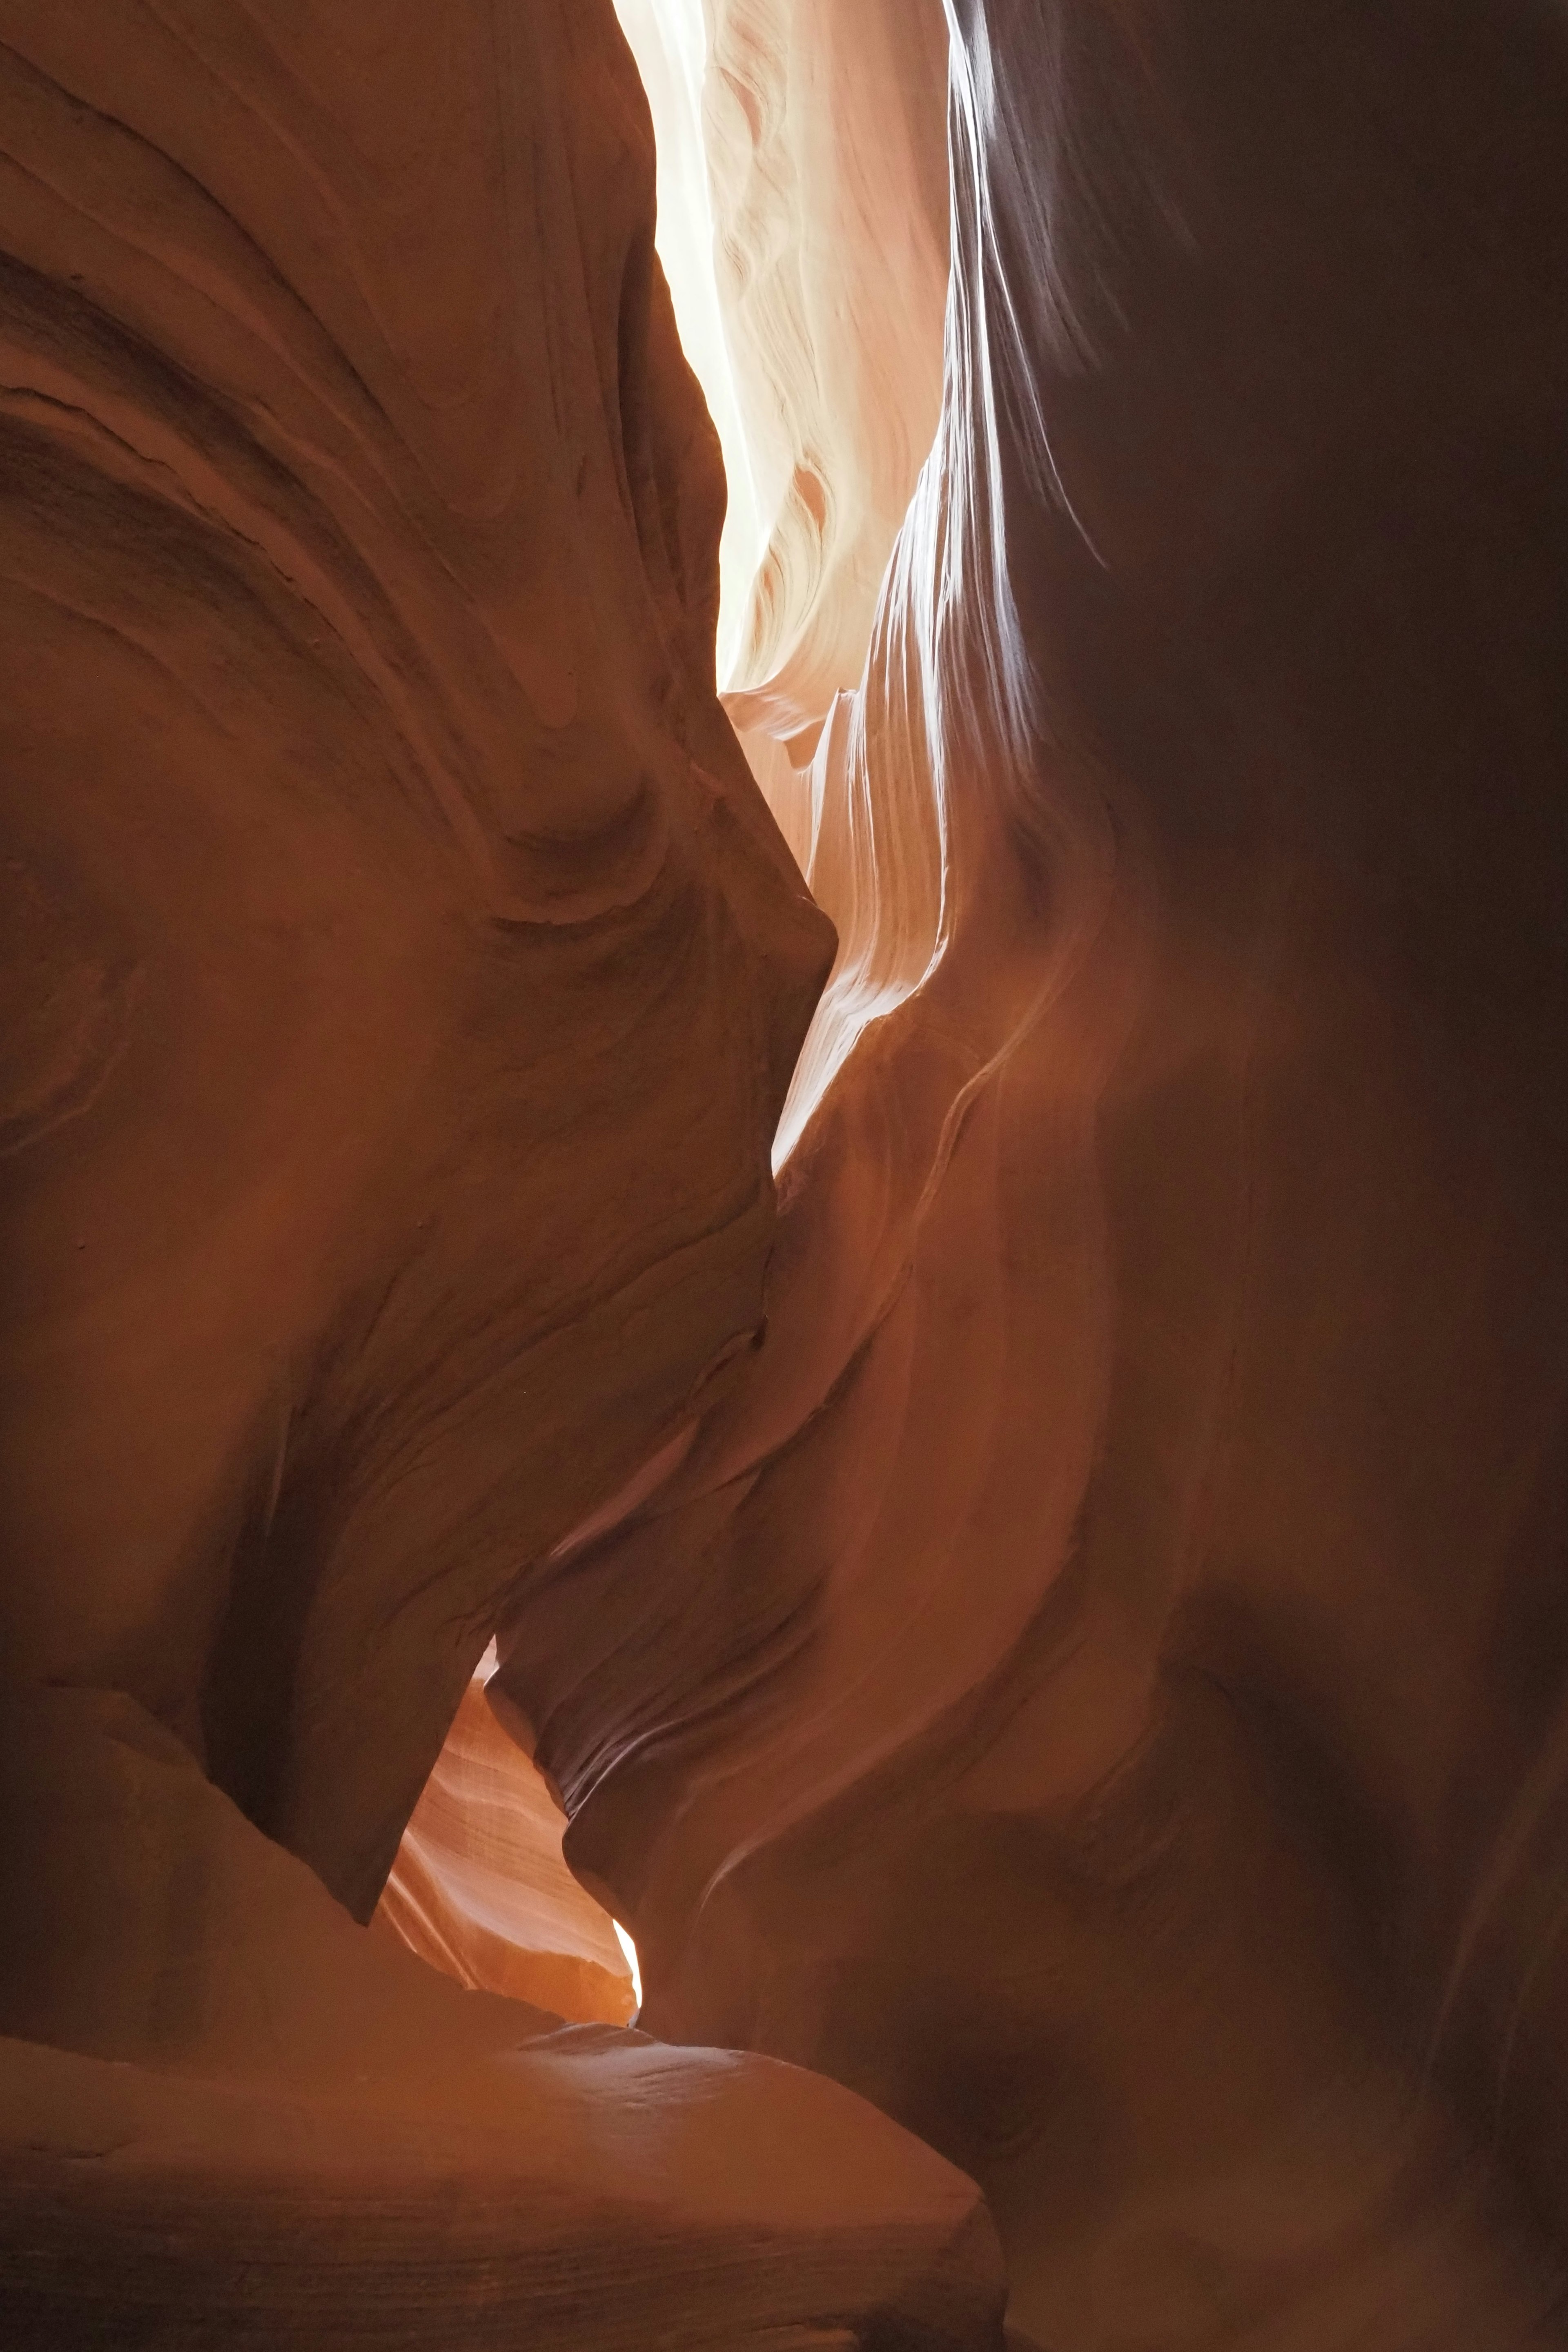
[
  {"x": 669, "y": 40},
  {"x": 630, "y": 1950}
]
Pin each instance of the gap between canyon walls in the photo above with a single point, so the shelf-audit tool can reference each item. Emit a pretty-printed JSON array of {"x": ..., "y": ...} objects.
[
  {"x": 1049, "y": 1621},
  {"x": 803, "y": 210},
  {"x": 802, "y": 204}
]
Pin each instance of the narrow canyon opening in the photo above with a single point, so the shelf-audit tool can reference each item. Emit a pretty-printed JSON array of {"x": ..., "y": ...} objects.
[{"x": 801, "y": 226}]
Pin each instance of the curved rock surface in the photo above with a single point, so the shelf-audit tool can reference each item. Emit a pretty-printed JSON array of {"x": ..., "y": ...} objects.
[
  {"x": 669, "y": 40},
  {"x": 803, "y": 211},
  {"x": 824, "y": 123},
  {"x": 1097, "y": 1683},
  {"x": 376, "y": 839},
  {"x": 401, "y": 976},
  {"x": 481, "y": 1887},
  {"x": 230, "y": 2116},
  {"x": 1078, "y": 1648}
]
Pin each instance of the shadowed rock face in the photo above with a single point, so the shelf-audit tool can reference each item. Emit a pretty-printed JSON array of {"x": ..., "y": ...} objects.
[
  {"x": 402, "y": 972},
  {"x": 401, "y": 979},
  {"x": 1097, "y": 1683}
]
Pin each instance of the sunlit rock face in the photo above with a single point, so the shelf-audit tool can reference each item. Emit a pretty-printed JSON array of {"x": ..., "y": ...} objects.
[
  {"x": 1097, "y": 1682},
  {"x": 827, "y": 151},
  {"x": 481, "y": 1889},
  {"x": 669, "y": 40},
  {"x": 804, "y": 212},
  {"x": 401, "y": 977},
  {"x": 824, "y": 124},
  {"x": 802, "y": 209}
]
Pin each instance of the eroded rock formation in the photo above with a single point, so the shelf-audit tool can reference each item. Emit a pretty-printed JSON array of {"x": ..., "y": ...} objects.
[
  {"x": 1095, "y": 1684},
  {"x": 803, "y": 145},
  {"x": 825, "y": 147},
  {"x": 401, "y": 977},
  {"x": 802, "y": 197},
  {"x": 1072, "y": 1645},
  {"x": 481, "y": 1887}
]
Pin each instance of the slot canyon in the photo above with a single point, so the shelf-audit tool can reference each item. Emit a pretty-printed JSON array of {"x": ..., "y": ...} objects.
[{"x": 784, "y": 1167}]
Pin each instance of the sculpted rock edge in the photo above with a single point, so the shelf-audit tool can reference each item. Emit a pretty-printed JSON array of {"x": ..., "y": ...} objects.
[{"x": 401, "y": 977}]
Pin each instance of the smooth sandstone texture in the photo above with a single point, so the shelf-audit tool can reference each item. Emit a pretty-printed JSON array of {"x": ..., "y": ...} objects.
[
  {"x": 230, "y": 2116},
  {"x": 807, "y": 238},
  {"x": 401, "y": 977},
  {"x": 824, "y": 124},
  {"x": 1093, "y": 1681},
  {"x": 1097, "y": 1682},
  {"x": 670, "y": 41},
  {"x": 404, "y": 972},
  {"x": 826, "y": 151},
  {"x": 803, "y": 211},
  {"x": 481, "y": 1888}
]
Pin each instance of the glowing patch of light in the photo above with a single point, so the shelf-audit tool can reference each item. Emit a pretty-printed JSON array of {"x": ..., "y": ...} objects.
[
  {"x": 630, "y": 1950},
  {"x": 669, "y": 40}
]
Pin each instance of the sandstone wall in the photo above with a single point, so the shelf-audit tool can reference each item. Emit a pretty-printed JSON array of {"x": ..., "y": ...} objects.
[
  {"x": 402, "y": 976},
  {"x": 1098, "y": 1677}
]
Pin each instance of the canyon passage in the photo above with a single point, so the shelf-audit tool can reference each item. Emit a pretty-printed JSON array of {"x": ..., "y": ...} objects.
[{"x": 783, "y": 1139}]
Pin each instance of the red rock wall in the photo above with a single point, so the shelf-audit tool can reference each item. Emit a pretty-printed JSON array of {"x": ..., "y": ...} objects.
[
  {"x": 1090, "y": 1672},
  {"x": 401, "y": 977},
  {"x": 1095, "y": 1684},
  {"x": 374, "y": 839}
]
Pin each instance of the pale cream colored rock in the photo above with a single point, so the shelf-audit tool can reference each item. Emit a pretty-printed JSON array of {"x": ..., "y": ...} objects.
[{"x": 804, "y": 218}]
